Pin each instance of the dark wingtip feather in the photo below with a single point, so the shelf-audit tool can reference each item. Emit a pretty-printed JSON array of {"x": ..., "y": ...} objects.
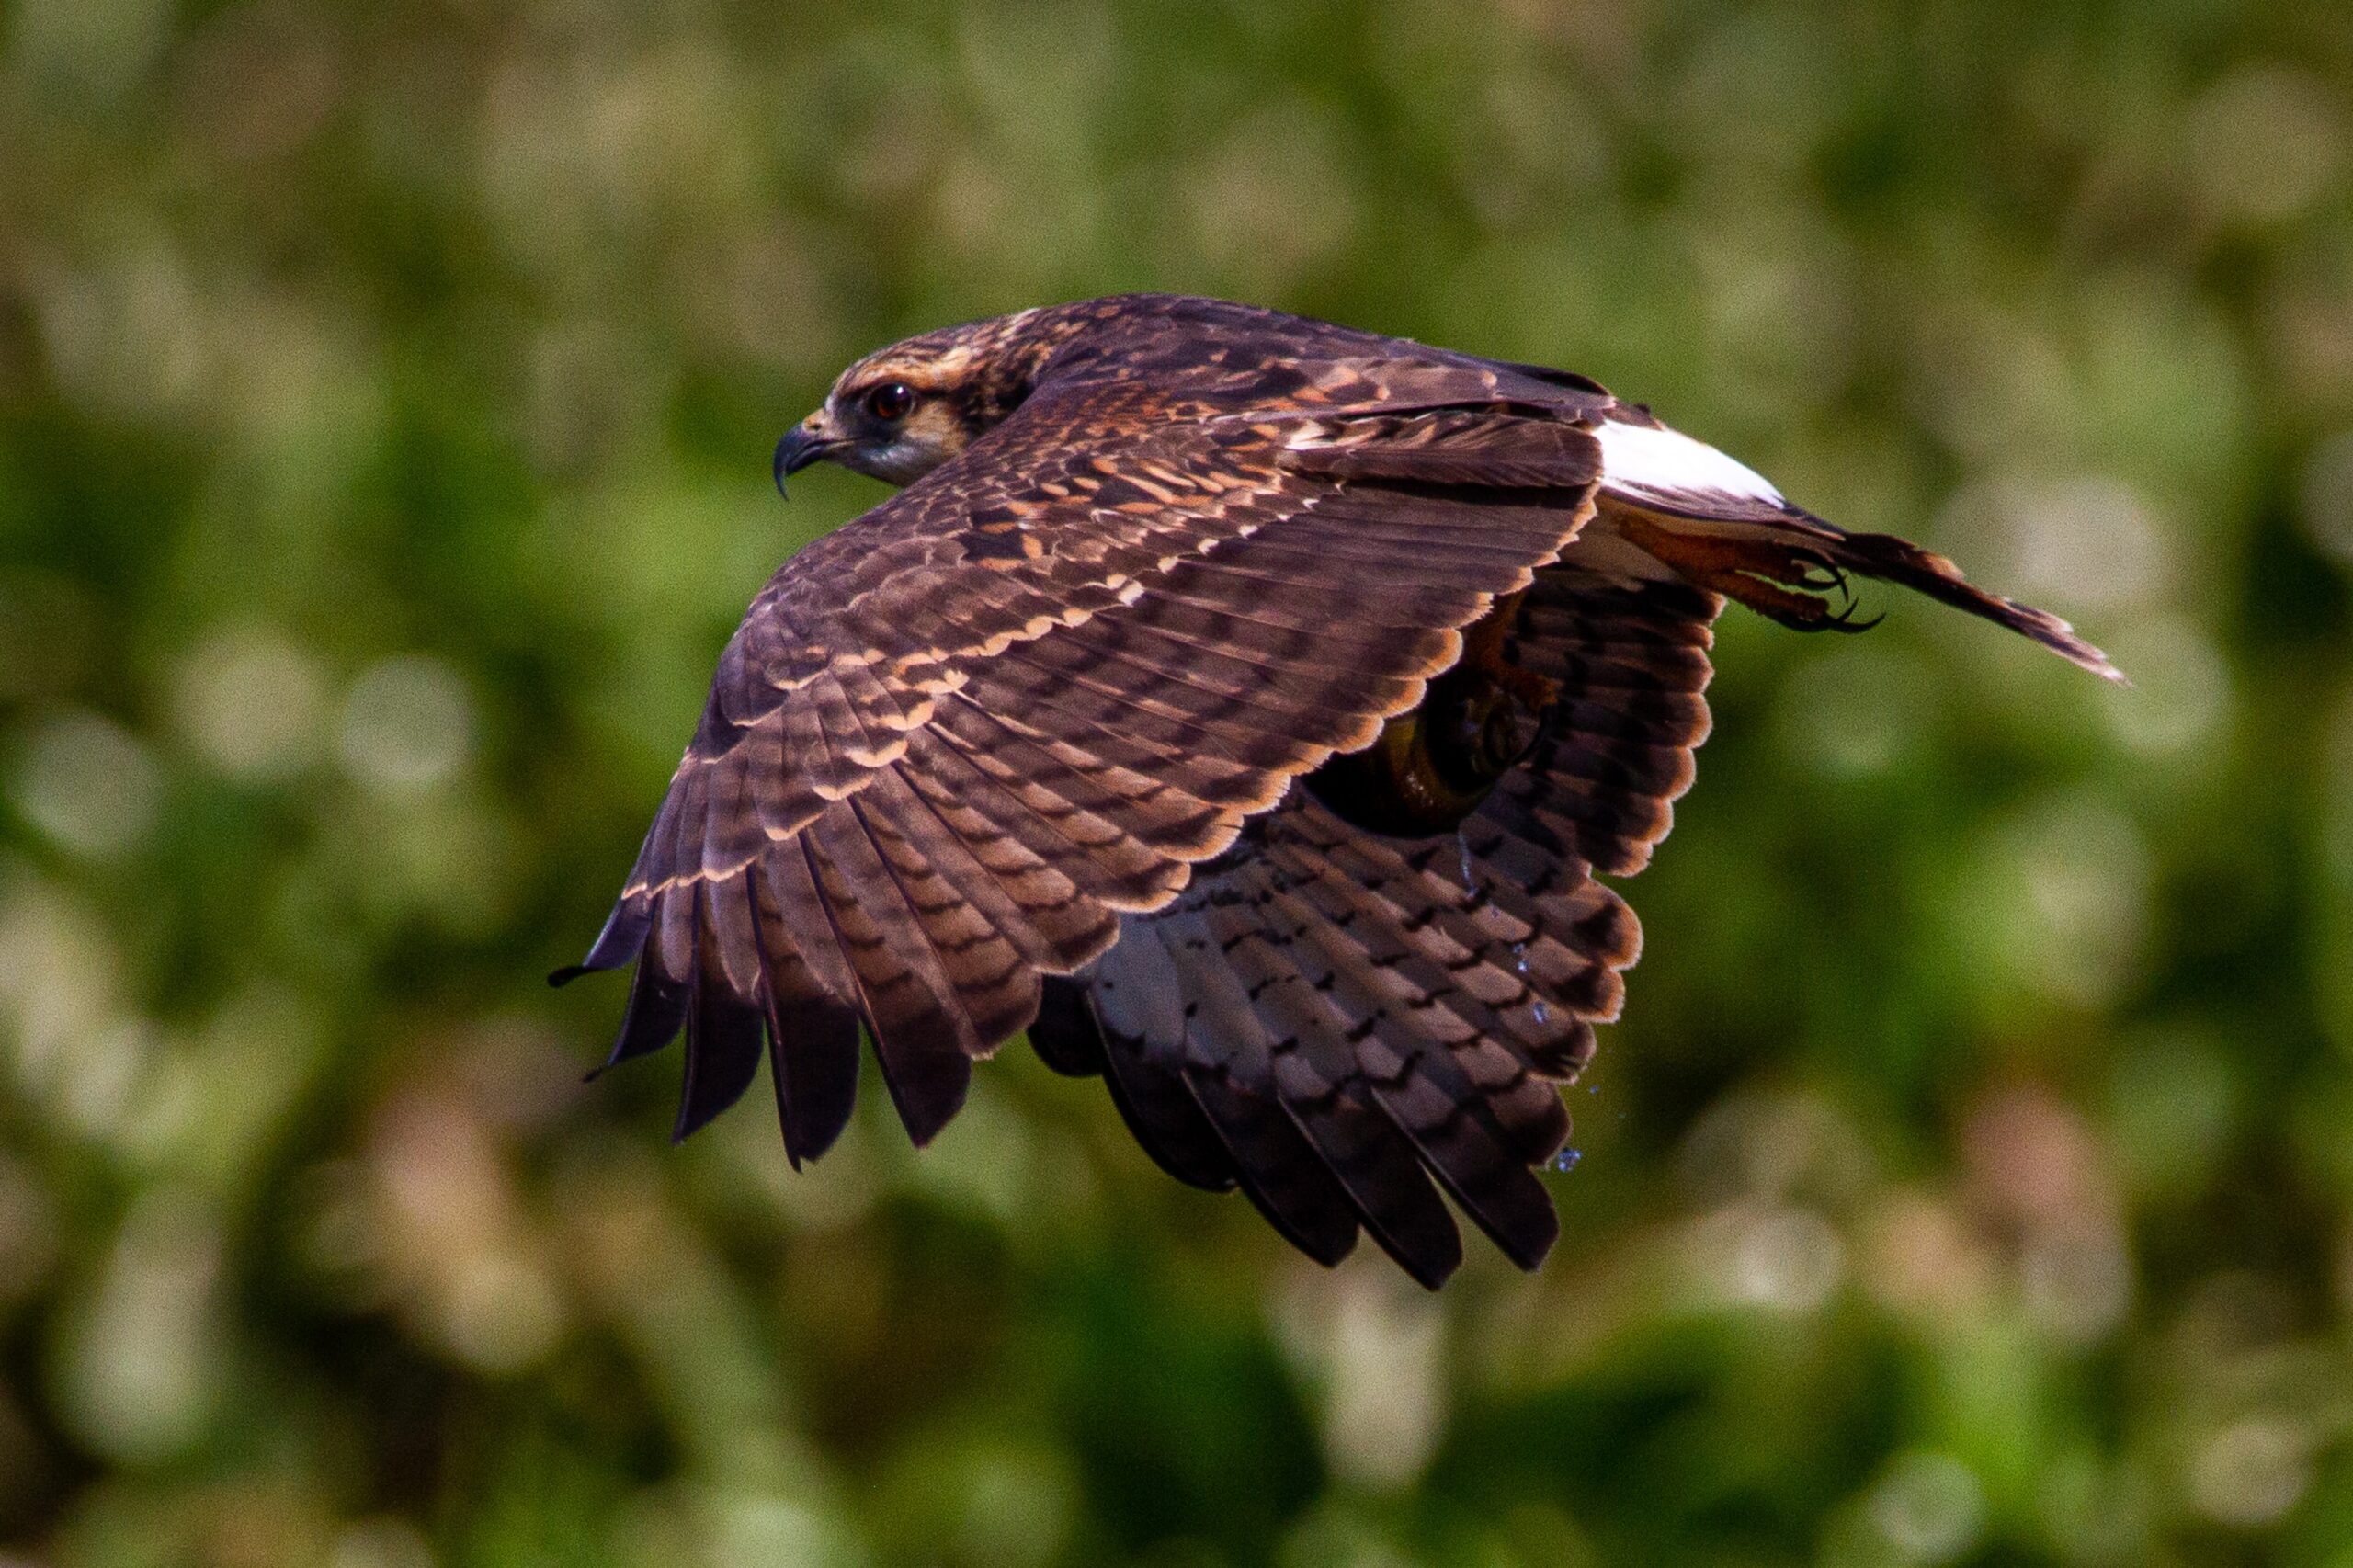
[
  {"x": 1166, "y": 1121},
  {"x": 1523, "y": 1231},
  {"x": 1385, "y": 1179},
  {"x": 722, "y": 1056},
  {"x": 1469, "y": 1154},
  {"x": 1064, "y": 1033},
  {"x": 623, "y": 933},
  {"x": 1279, "y": 1171},
  {"x": 812, "y": 1057},
  {"x": 927, "y": 1088},
  {"x": 812, "y": 1038},
  {"x": 1429, "y": 1267},
  {"x": 656, "y": 1011}
]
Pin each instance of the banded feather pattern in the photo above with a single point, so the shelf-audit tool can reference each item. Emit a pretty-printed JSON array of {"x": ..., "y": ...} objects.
[{"x": 1047, "y": 743}]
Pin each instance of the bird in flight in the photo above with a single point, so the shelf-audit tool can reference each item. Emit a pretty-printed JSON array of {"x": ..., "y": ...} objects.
[{"x": 1244, "y": 706}]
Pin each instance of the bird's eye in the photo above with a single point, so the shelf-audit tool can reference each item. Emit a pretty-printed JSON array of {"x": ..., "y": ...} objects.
[{"x": 891, "y": 400}]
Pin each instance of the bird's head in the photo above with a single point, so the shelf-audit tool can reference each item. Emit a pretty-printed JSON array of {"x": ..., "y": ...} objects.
[{"x": 902, "y": 411}]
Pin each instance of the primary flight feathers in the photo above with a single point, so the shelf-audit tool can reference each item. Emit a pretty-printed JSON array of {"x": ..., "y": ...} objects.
[{"x": 1242, "y": 705}]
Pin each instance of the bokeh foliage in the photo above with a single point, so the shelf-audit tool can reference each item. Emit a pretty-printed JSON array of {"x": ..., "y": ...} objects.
[{"x": 385, "y": 398}]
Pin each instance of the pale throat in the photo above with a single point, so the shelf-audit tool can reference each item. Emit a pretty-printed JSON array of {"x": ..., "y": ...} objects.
[{"x": 930, "y": 435}]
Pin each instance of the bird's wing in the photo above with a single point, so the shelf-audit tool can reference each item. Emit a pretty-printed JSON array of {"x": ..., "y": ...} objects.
[
  {"x": 1329, "y": 1018},
  {"x": 952, "y": 744}
]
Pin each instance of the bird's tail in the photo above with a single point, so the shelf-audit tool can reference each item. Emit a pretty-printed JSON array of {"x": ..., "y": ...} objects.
[{"x": 1792, "y": 567}]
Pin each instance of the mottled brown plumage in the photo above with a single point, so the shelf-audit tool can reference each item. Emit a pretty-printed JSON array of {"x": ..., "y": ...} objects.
[{"x": 1244, "y": 706}]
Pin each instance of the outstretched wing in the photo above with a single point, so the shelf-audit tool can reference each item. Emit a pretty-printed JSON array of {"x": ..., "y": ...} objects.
[
  {"x": 953, "y": 744},
  {"x": 1329, "y": 1018}
]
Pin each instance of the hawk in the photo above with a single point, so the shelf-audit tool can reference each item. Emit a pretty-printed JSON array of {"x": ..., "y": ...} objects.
[{"x": 1245, "y": 707}]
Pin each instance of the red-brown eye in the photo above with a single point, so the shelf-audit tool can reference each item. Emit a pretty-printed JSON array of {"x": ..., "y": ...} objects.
[{"x": 891, "y": 400}]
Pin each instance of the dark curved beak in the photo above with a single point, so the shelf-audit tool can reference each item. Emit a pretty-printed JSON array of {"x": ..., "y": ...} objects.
[{"x": 801, "y": 447}]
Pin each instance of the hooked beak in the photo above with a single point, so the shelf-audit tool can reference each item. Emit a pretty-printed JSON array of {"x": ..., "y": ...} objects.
[{"x": 802, "y": 444}]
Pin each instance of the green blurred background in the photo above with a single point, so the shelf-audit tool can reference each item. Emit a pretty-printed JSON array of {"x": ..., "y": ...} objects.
[{"x": 386, "y": 400}]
